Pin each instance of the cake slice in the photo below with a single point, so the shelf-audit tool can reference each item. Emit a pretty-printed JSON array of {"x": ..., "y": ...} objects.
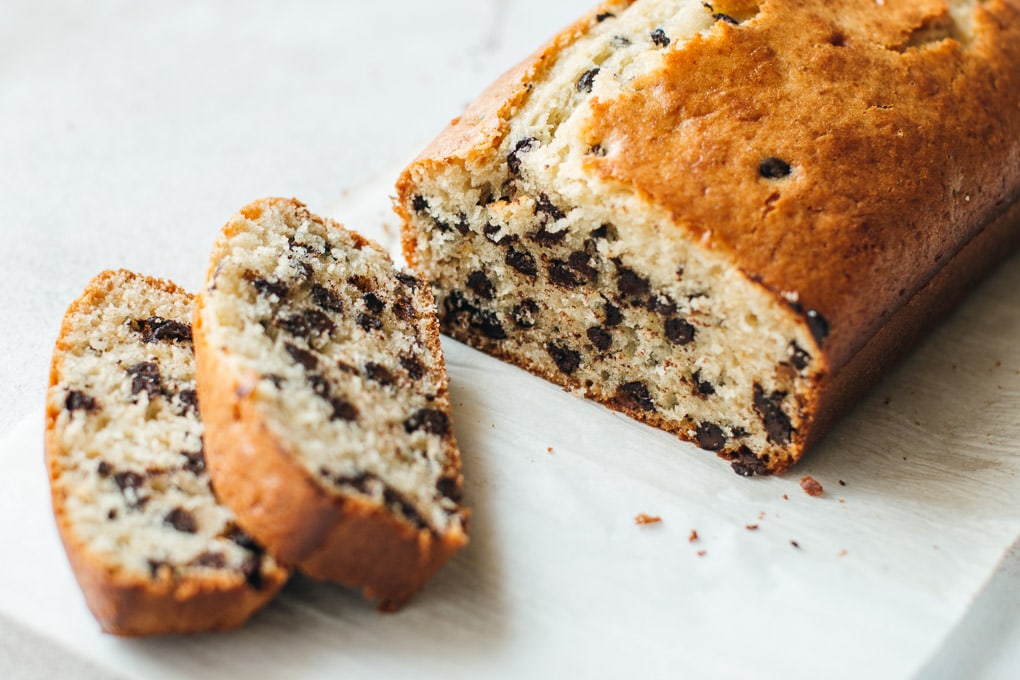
[
  {"x": 152, "y": 549},
  {"x": 727, "y": 219},
  {"x": 324, "y": 393}
]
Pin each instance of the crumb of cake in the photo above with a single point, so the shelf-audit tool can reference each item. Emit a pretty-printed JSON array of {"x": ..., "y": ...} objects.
[
  {"x": 795, "y": 544},
  {"x": 643, "y": 519},
  {"x": 751, "y": 527},
  {"x": 842, "y": 553},
  {"x": 786, "y": 497},
  {"x": 549, "y": 449},
  {"x": 811, "y": 486},
  {"x": 702, "y": 553},
  {"x": 842, "y": 483},
  {"x": 693, "y": 537}
]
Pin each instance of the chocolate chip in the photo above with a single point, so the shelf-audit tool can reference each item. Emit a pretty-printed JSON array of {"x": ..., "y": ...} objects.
[
  {"x": 419, "y": 204},
  {"x": 746, "y": 464},
  {"x": 365, "y": 284},
  {"x": 145, "y": 378},
  {"x": 601, "y": 338},
  {"x": 156, "y": 566},
  {"x": 301, "y": 356},
  {"x": 561, "y": 274},
  {"x": 156, "y": 328},
  {"x": 181, "y": 520},
  {"x": 450, "y": 488},
  {"x": 660, "y": 38},
  {"x": 679, "y": 331},
  {"x": 456, "y": 305},
  {"x": 104, "y": 469},
  {"x": 799, "y": 356},
  {"x": 769, "y": 408},
  {"x": 415, "y": 369},
  {"x": 547, "y": 238},
  {"x": 237, "y": 535},
  {"x": 306, "y": 322},
  {"x": 710, "y": 437},
  {"x": 545, "y": 206},
  {"x": 587, "y": 80},
  {"x": 818, "y": 324},
  {"x": 326, "y": 299},
  {"x": 607, "y": 232},
  {"x": 480, "y": 284},
  {"x": 396, "y": 501},
  {"x": 195, "y": 461},
  {"x": 633, "y": 287},
  {"x": 251, "y": 568},
  {"x": 525, "y": 315},
  {"x": 662, "y": 304},
  {"x": 429, "y": 420},
  {"x": 719, "y": 16},
  {"x": 408, "y": 280},
  {"x": 619, "y": 41},
  {"x": 704, "y": 387},
  {"x": 79, "y": 401},
  {"x": 522, "y": 261},
  {"x": 492, "y": 230},
  {"x": 404, "y": 309},
  {"x": 513, "y": 159},
  {"x": 369, "y": 323},
  {"x": 774, "y": 168},
  {"x": 634, "y": 396},
  {"x": 614, "y": 317},
  {"x": 343, "y": 410},
  {"x": 319, "y": 385},
  {"x": 373, "y": 303},
  {"x": 567, "y": 360},
  {"x": 268, "y": 288},
  {"x": 129, "y": 483},
  {"x": 597, "y": 150},
  {"x": 111, "y": 514},
  {"x": 379, "y": 373},
  {"x": 602, "y": 16},
  {"x": 189, "y": 401},
  {"x": 212, "y": 560},
  {"x": 580, "y": 262}
]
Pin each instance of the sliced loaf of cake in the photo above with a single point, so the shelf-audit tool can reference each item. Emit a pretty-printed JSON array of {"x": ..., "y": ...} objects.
[
  {"x": 153, "y": 550},
  {"x": 324, "y": 393}
]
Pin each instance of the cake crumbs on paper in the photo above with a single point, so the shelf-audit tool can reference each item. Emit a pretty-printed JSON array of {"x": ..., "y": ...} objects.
[
  {"x": 751, "y": 527},
  {"x": 786, "y": 497},
  {"x": 811, "y": 486},
  {"x": 795, "y": 544},
  {"x": 643, "y": 519},
  {"x": 702, "y": 553},
  {"x": 842, "y": 553},
  {"x": 549, "y": 450},
  {"x": 693, "y": 537}
]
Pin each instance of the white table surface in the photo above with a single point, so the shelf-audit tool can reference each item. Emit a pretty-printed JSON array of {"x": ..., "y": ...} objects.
[{"x": 130, "y": 131}]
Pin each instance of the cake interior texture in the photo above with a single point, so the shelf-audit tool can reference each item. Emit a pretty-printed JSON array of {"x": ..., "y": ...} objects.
[
  {"x": 335, "y": 348},
  {"x": 126, "y": 456}
]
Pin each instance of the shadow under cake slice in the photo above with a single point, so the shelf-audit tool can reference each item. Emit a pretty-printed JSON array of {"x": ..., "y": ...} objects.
[
  {"x": 324, "y": 394},
  {"x": 152, "y": 549}
]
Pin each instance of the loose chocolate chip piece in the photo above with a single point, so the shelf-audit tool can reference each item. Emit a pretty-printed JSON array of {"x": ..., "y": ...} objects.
[
  {"x": 301, "y": 356},
  {"x": 480, "y": 284},
  {"x": 213, "y": 560},
  {"x": 181, "y": 520},
  {"x": 343, "y": 410},
  {"x": 704, "y": 387},
  {"x": 633, "y": 287},
  {"x": 587, "y": 80},
  {"x": 156, "y": 328},
  {"x": 268, "y": 288},
  {"x": 600, "y": 337},
  {"x": 513, "y": 159},
  {"x": 525, "y": 315},
  {"x": 195, "y": 461},
  {"x": 522, "y": 261},
  {"x": 561, "y": 274},
  {"x": 602, "y": 16},
  {"x": 777, "y": 424},
  {"x": 408, "y": 280},
  {"x": 818, "y": 324},
  {"x": 404, "y": 310},
  {"x": 710, "y": 437},
  {"x": 799, "y": 356},
  {"x": 774, "y": 168},
  {"x": 373, "y": 303},
  {"x": 369, "y": 323},
  {"x": 545, "y": 206},
  {"x": 104, "y": 469},
  {"x": 252, "y": 570},
  {"x": 79, "y": 401},
  {"x": 567, "y": 360},
  {"x": 145, "y": 378},
  {"x": 726, "y": 18},
  {"x": 429, "y": 420},
  {"x": 580, "y": 262},
  {"x": 614, "y": 317},
  {"x": 634, "y": 396},
  {"x": 679, "y": 331},
  {"x": 379, "y": 373},
  {"x": 415, "y": 369},
  {"x": 189, "y": 401},
  {"x": 419, "y": 204},
  {"x": 450, "y": 488},
  {"x": 326, "y": 299},
  {"x": 660, "y": 38}
]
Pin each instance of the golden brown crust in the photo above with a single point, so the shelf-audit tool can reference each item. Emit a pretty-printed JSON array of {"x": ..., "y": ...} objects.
[
  {"x": 329, "y": 537},
  {"x": 126, "y": 602}
]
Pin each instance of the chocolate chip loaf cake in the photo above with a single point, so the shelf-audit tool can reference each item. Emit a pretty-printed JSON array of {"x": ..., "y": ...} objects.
[
  {"x": 727, "y": 219},
  {"x": 324, "y": 392},
  {"x": 150, "y": 546}
]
